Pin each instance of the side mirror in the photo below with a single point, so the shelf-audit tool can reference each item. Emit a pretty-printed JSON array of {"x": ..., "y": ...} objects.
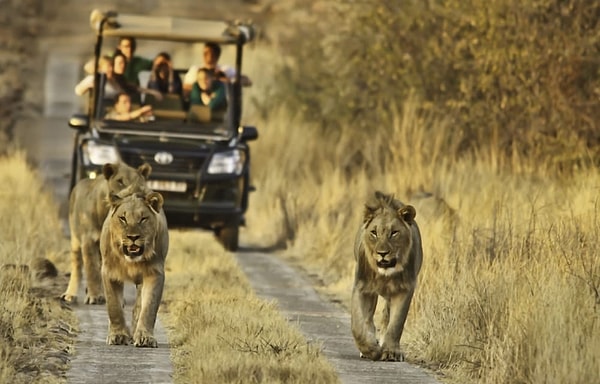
[
  {"x": 79, "y": 122},
  {"x": 249, "y": 133}
]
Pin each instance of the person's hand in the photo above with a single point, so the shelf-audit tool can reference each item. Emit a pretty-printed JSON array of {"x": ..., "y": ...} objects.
[{"x": 146, "y": 110}]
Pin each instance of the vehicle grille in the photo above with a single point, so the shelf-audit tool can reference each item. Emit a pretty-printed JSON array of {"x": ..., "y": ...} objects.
[{"x": 183, "y": 161}]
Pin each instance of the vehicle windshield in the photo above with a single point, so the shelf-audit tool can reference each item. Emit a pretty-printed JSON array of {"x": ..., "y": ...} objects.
[{"x": 165, "y": 85}]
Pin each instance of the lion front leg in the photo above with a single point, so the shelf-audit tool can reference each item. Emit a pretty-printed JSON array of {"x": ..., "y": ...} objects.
[
  {"x": 363, "y": 328},
  {"x": 70, "y": 295},
  {"x": 147, "y": 302},
  {"x": 118, "y": 333},
  {"x": 92, "y": 264},
  {"x": 397, "y": 308}
]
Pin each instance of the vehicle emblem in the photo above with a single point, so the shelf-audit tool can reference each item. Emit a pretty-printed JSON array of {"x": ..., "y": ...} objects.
[{"x": 163, "y": 158}]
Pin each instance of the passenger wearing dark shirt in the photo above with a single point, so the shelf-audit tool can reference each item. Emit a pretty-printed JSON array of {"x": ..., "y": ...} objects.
[{"x": 207, "y": 90}]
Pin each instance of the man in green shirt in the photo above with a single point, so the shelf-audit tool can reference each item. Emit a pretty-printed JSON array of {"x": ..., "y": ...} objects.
[{"x": 135, "y": 64}]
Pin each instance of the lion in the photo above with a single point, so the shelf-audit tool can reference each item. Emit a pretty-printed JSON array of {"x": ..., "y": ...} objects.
[
  {"x": 388, "y": 255},
  {"x": 88, "y": 207},
  {"x": 134, "y": 243}
]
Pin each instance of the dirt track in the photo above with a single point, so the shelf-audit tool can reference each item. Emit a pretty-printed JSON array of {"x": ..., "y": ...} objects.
[{"x": 48, "y": 140}]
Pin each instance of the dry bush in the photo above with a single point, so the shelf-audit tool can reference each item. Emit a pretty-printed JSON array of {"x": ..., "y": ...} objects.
[{"x": 519, "y": 76}]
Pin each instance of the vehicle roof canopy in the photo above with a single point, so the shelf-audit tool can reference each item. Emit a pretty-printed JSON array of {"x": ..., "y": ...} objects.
[{"x": 170, "y": 28}]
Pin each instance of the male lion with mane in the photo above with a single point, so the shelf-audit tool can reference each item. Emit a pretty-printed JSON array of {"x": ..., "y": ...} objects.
[
  {"x": 88, "y": 207},
  {"x": 388, "y": 256},
  {"x": 134, "y": 245}
]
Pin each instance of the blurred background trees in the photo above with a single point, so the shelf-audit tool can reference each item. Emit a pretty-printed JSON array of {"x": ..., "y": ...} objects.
[{"x": 517, "y": 77}]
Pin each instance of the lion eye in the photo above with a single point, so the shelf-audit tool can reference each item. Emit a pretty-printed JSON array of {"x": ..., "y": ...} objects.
[
  {"x": 123, "y": 219},
  {"x": 143, "y": 219},
  {"x": 374, "y": 233},
  {"x": 120, "y": 182},
  {"x": 393, "y": 234}
]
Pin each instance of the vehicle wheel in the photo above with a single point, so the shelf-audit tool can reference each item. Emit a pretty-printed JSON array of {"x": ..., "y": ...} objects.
[{"x": 228, "y": 237}]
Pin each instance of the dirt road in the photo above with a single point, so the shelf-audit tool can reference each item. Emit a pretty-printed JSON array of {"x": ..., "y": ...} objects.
[{"x": 48, "y": 141}]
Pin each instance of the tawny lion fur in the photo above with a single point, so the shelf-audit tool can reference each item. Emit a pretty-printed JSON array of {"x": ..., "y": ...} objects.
[
  {"x": 134, "y": 245},
  {"x": 88, "y": 207},
  {"x": 388, "y": 255}
]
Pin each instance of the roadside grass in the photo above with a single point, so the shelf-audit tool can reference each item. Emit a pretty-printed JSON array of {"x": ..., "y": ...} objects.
[
  {"x": 220, "y": 332},
  {"x": 510, "y": 286},
  {"x": 34, "y": 331}
]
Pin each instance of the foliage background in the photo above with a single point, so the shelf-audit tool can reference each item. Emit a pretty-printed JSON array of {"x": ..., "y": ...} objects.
[{"x": 515, "y": 77}]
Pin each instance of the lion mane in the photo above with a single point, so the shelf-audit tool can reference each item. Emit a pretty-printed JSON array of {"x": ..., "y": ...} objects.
[
  {"x": 134, "y": 243},
  {"x": 388, "y": 255},
  {"x": 88, "y": 207}
]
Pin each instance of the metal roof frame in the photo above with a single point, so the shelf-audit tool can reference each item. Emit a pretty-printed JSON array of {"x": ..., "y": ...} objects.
[{"x": 167, "y": 28}]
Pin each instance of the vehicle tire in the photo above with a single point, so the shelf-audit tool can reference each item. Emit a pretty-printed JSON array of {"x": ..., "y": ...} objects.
[{"x": 228, "y": 237}]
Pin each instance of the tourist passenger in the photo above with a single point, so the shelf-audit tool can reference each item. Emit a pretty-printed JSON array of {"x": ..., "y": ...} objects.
[
  {"x": 119, "y": 66},
  {"x": 211, "y": 54},
  {"x": 122, "y": 110},
  {"x": 135, "y": 64},
  {"x": 209, "y": 91},
  {"x": 163, "y": 78},
  {"x": 111, "y": 86}
]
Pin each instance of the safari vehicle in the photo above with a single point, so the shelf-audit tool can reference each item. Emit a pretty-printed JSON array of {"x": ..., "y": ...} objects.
[{"x": 200, "y": 164}]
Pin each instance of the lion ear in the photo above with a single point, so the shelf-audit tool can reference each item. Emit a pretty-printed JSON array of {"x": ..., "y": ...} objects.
[
  {"x": 145, "y": 170},
  {"x": 155, "y": 201},
  {"x": 114, "y": 199},
  {"x": 373, "y": 204},
  {"x": 407, "y": 213},
  {"x": 108, "y": 170}
]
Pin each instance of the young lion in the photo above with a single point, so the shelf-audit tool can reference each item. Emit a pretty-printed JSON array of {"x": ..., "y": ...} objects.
[
  {"x": 88, "y": 207},
  {"x": 134, "y": 244},
  {"x": 388, "y": 256}
]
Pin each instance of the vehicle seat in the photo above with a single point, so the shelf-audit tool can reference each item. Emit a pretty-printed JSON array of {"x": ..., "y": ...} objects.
[{"x": 170, "y": 101}]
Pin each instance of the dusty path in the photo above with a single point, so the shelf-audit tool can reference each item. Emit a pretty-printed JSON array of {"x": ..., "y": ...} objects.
[{"x": 96, "y": 362}]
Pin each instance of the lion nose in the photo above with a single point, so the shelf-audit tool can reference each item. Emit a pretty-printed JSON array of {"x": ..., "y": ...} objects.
[
  {"x": 133, "y": 237},
  {"x": 383, "y": 254}
]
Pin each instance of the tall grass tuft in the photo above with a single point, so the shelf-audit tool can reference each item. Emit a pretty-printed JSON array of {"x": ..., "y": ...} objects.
[{"x": 32, "y": 349}]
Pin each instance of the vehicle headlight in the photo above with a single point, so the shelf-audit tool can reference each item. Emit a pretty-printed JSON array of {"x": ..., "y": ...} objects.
[
  {"x": 227, "y": 162},
  {"x": 99, "y": 154}
]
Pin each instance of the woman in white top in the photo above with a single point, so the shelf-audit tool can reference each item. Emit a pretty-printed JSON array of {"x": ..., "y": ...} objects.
[{"x": 111, "y": 87}]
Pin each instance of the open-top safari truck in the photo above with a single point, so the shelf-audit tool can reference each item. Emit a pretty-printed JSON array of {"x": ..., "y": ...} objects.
[{"x": 200, "y": 161}]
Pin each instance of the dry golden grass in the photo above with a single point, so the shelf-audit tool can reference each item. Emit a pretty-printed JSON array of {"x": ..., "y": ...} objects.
[
  {"x": 510, "y": 287},
  {"x": 220, "y": 332},
  {"x": 34, "y": 332}
]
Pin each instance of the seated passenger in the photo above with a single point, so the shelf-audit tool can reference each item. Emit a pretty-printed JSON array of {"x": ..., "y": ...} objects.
[
  {"x": 163, "y": 78},
  {"x": 211, "y": 54},
  {"x": 122, "y": 110},
  {"x": 111, "y": 86},
  {"x": 209, "y": 91},
  {"x": 119, "y": 65}
]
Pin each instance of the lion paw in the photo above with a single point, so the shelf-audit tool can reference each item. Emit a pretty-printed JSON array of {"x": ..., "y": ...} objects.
[
  {"x": 98, "y": 299},
  {"x": 144, "y": 339},
  {"x": 68, "y": 298},
  {"x": 394, "y": 354},
  {"x": 118, "y": 339}
]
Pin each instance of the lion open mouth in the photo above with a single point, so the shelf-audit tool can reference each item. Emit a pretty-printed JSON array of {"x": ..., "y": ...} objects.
[
  {"x": 133, "y": 250},
  {"x": 386, "y": 263}
]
